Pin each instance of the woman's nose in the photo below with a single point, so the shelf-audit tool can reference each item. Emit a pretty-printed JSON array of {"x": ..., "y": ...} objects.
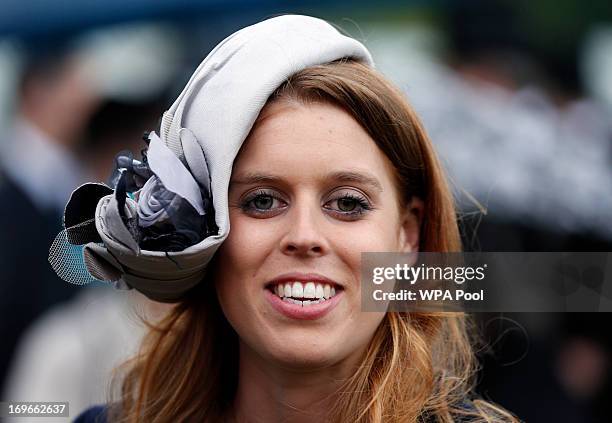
[{"x": 304, "y": 235}]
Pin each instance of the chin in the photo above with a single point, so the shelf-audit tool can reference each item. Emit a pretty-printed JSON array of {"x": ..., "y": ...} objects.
[{"x": 306, "y": 356}]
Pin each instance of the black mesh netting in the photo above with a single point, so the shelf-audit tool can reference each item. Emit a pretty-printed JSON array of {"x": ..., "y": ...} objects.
[{"x": 66, "y": 253}]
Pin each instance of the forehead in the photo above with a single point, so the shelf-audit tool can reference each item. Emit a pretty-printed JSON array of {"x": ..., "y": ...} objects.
[{"x": 292, "y": 138}]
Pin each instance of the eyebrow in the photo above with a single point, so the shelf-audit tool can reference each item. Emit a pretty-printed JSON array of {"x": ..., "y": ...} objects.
[{"x": 341, "y": 176}]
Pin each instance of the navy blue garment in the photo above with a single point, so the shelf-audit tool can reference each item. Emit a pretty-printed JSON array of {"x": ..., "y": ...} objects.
[
  {"x": 95, "y": 414},
  {"x": 98, "y": 414},
  {"x": 28, "y": 285}
]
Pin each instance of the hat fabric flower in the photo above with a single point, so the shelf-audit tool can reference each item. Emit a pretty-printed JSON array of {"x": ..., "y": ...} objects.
[{"x": 168, "y": 212}]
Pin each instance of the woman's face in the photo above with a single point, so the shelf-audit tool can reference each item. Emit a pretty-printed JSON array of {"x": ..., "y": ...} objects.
[{"x": 310, "y": 191}]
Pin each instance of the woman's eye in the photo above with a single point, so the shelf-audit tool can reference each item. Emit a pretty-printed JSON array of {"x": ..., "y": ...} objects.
[
  {"x": 262, "y": 203},
  {"x": 349, "y": 205}
]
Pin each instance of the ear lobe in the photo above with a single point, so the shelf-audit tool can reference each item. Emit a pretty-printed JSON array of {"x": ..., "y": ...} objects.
[{"x": 411, "y": 225}]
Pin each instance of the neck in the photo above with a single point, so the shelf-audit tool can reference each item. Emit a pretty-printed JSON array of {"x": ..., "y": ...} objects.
[{"x": 268, "y": 391}]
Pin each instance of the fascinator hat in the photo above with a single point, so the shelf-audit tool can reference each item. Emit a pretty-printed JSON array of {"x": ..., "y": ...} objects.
[{"x": 158, "y": 223}]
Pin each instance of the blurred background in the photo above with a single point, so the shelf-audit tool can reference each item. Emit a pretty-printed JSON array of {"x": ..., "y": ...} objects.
[{"x": 516, "y": 96}]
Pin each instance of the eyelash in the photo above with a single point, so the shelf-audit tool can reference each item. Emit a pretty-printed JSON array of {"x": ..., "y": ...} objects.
[{"x": 364, "y": 206}]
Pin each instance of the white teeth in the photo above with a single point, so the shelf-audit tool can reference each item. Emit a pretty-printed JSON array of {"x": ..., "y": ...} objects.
[
  {"x": 309, "y": 290},
  {"x": 319, "y": 291},
  {"x": 316, "y": 292},
  {"x": 297, "y": 290}
]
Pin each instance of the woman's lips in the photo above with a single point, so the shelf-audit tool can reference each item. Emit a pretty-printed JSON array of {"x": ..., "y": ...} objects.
[{"x": 309, "y": 312}]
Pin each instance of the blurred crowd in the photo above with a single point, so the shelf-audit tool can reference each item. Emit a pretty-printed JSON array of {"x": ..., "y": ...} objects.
[
  {"x": 524, "y": 132},
  {"x": 79, "y": 100}
]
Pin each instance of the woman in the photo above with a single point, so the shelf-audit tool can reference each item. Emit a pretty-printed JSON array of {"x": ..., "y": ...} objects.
[{"x": 336, "y": 163}]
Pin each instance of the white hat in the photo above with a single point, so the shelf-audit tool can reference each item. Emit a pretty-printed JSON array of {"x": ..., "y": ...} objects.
[{"x": 204, "y": 129}]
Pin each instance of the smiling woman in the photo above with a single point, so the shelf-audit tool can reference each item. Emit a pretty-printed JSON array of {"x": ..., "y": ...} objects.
[{"x": 336, "y": 163}]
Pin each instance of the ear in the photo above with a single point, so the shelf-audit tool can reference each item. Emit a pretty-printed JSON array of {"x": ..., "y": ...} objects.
[{"x": 410, "y": 230}]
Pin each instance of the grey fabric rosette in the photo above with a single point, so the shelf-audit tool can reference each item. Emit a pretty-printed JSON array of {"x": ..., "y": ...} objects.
[
  {"x": 129, "y": 232},
  {"x": 160, "y": 223}
]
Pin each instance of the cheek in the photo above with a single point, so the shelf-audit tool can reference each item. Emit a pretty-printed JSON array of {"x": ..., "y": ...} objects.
[
  {"x": 378, "y": 234},
  {"x": 237, "y": 262},
  {"x": 247, "y": 243}
]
